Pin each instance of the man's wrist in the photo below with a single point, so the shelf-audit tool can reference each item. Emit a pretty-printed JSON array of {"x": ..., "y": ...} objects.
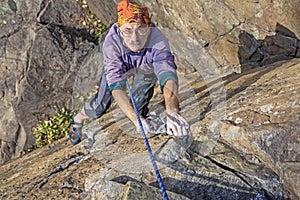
[
  {"x": 135, "y": 120},
  {"x": 172, "y": 111}
]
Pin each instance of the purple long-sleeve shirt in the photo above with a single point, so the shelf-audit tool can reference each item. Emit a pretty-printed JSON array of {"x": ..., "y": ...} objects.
[{"x": 156, "y": 57}]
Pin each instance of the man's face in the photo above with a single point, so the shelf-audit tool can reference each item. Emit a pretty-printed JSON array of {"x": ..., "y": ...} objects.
[{"x": 135, "y": 35}]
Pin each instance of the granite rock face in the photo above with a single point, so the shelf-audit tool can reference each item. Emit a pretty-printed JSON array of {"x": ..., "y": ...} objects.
[
  {"x": 244, "y": 148},
  {"x": 238, "y": 65},
  {"x": 41, "y": 52},
  {"x": 219, "y": 25}
]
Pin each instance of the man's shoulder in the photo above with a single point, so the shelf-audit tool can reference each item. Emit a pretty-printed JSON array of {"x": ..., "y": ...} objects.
[
  {"x": 112, "y": 37},
  {"x": 113, "y": 31},
  {"x": 157, "y": 39}
]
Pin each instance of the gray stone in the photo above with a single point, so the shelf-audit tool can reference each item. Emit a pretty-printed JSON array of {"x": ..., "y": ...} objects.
[
  {"x": 39, "y": 63},
  {"x": 281, "y": 46},
  {"x": 245, "y": 125},
  {"x": 135, "y": 190}
]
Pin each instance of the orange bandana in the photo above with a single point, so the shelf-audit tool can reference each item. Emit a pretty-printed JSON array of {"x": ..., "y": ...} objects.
[{"x": 132, "y": 12}]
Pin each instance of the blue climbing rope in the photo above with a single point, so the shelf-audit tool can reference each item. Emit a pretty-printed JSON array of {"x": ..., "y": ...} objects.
[{"x": 159, "y": 179}]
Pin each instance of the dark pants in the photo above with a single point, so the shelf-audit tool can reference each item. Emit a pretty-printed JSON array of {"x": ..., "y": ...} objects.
[{"x": 142, "y": 90}]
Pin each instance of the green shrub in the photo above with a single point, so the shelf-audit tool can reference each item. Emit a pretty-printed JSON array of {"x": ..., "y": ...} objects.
[
  {"x": 55, "y": 128},
  {"x": 90, "y": 21}
]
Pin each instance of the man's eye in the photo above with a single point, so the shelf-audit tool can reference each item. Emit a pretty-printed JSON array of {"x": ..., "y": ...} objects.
[
  {"x": 142, "y": 31},
  {"x": 128, "y": 31}
]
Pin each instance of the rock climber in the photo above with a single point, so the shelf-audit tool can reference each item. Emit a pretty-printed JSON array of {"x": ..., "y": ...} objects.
[{"x": 135, "y": 47}]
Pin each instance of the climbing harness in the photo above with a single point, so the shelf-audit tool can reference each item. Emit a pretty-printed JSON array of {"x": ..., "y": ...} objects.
[{"x": 159, "y": 179}]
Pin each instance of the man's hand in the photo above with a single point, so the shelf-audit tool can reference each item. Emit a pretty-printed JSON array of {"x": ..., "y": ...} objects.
[
  {"x": 177, "y": 125},
  {"x": 150, "y": 127}
]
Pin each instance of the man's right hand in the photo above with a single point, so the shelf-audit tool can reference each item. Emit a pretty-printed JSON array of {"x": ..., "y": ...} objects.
[{"x": 150, "y": 127}]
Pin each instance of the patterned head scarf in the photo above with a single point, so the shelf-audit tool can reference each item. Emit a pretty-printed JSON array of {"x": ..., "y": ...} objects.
[{"x": 132, "y": 12}]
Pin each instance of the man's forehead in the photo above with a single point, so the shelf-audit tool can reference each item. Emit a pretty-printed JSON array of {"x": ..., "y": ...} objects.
[{"x": 133, "y": 25}]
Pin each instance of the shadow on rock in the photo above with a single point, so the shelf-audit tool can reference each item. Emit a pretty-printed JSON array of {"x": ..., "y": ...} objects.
[{"x": 252, "y": 53}]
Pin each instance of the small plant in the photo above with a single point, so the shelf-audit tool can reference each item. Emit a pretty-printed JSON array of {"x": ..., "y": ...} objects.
[
  {"x": 55, "y": 128},
  {"x": 90, "y": 21}
]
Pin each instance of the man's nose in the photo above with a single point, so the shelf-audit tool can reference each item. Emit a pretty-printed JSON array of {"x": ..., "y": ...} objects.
[{"x": 134, "y": 36}]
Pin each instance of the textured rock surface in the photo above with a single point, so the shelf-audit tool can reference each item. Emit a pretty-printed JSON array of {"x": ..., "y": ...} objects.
[
  {"x": 132, "y": 190},
  {"x": 217, "y": 25},
  {"x": 245, "y": 126},
  {"x": 254, "y": 153},
  {"x": 41, "y": 52}
]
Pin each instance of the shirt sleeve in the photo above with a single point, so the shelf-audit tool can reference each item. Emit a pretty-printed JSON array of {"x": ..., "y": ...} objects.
[
  {"x": 114, "y": 67},
  {"x": 164, "y": 65}
]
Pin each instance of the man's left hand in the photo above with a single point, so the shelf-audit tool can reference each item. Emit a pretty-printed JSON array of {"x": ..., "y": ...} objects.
[{"x": 177, "y": 125}]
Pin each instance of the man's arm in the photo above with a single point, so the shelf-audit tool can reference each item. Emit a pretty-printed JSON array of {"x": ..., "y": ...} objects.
[
  {"x": 176, "y": 124},
  {"x": 125, "y": 105},
  {"x": 170, "y": 92}
]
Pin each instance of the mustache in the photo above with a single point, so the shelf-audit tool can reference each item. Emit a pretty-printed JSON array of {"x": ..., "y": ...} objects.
[{"x": 135, "y": 43}]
